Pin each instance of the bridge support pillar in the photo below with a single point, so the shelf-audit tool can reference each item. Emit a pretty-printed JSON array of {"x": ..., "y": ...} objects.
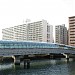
[
  {"x": 67, "y": 57},
  {"x": 51, "y": 56},
  {"x": 17, "y": 61},
  {"x": 26, "y": 63},
  {"x": 1, "y": 59}
]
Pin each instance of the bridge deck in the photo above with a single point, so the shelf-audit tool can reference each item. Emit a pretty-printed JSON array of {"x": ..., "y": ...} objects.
[{"x": 4, "y": 52}]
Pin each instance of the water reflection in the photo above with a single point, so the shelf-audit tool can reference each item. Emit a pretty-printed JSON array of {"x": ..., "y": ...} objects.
[
  {"x": 5, "y": 66},
  {"x": 40, "y": 67}
]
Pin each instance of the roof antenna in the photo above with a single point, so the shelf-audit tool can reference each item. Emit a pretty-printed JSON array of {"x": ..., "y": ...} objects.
[{"x": 27, "y": 21}]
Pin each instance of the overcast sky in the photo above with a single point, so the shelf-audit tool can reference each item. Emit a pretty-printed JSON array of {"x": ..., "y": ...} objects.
[{"x": 56, "y": 12}]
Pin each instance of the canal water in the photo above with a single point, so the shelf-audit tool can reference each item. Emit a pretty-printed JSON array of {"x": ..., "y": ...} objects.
[{"x": 40, "y": 67}]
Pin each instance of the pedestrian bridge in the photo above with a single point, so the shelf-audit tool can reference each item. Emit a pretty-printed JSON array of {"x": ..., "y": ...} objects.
[{"x": 11, "y": 48}]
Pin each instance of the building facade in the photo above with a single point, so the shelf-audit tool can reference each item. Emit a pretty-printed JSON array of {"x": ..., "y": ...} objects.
[
  {"x": 36, "y": 31},
  {"x": 72, "y": 31},
  {"x": 61, "y": 34},
  {"x": 8, "y": 33}
]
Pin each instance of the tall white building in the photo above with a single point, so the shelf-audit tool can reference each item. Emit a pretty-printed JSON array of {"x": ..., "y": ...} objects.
[
  {"x": 8, "y": 33},
  {"x": 39, "y": 31}
]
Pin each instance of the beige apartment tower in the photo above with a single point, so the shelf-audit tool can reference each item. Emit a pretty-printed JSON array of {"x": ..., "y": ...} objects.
[
  {"x": 39, "y": 31},
  {"x": 71, "y": 34},
  {"x": 61, "y": 34}
]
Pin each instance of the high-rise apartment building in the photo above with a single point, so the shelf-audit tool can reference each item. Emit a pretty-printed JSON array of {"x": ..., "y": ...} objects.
[
  {"x": 72, "y": 31},
  {"x": 61, "y": 34},
  {"x": 8, "y": 33},
  {"x": 36, "y": 31}
]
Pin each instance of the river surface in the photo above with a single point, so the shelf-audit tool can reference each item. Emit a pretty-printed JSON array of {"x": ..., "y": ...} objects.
[{"x": 40, "y": 67}]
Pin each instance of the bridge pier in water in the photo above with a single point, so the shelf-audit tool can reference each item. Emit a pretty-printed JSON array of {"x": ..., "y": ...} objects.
[
  {"x": 1, "y": 58},
  {"x": 16, "y": 60},
  {"x": 19, "y": 59},
  {"x": 26, "y": 63},
  {"x": 67, "y": 57}
]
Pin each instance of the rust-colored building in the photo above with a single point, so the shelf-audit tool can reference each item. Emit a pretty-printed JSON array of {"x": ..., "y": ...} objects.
[{"x": 72, "y": 30}]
